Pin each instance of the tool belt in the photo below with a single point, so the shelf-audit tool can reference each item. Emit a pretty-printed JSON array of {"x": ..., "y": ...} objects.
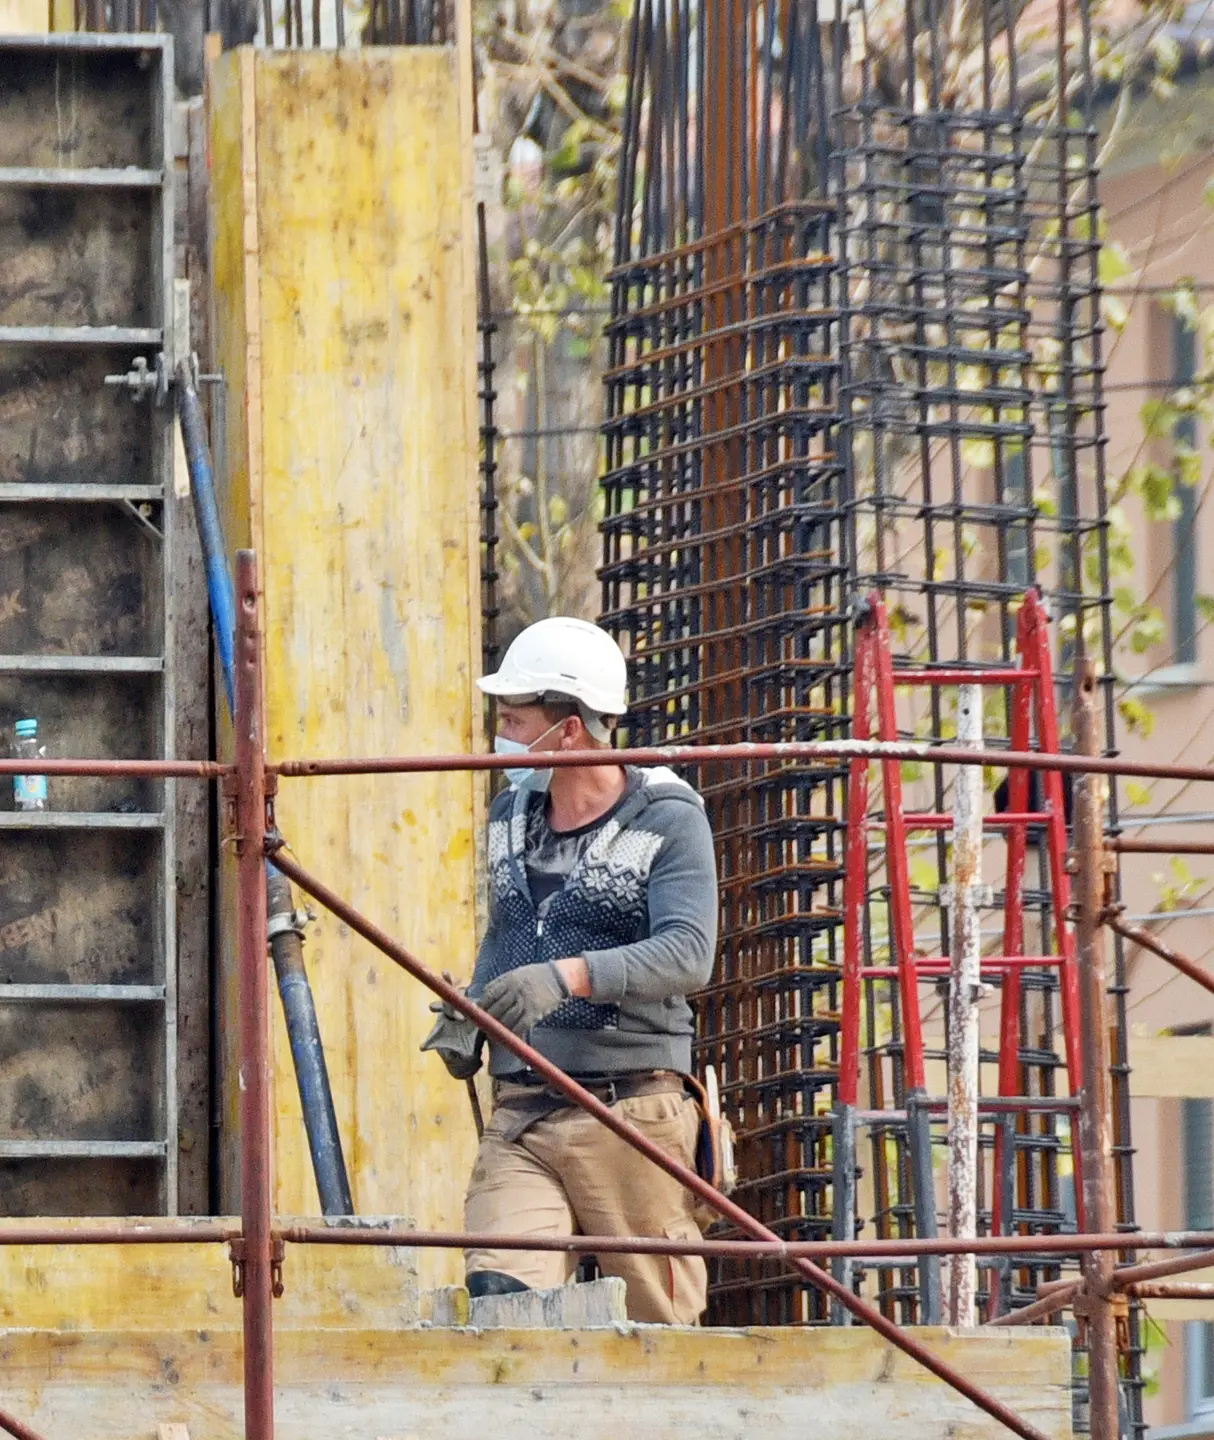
[{"x": 714, "y": 1141}]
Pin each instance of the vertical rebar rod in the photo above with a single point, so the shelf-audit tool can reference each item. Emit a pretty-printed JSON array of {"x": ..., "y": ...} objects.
[
  {"x": 965, "y": 988},
  {"x": 254, "y": 1009},
  {"x": 1095, "y": 1112}
]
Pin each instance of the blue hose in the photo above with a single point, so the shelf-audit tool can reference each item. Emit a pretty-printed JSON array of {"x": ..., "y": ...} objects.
[
  {"x": 210, "y": 531},
  {"x": 299, "y": 1007}
]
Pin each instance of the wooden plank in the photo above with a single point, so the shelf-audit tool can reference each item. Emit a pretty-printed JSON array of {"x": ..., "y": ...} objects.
[
  {"x": 363, "y": 498},
  {"x": 194, "y": 803},
  {"x": 537, "y": 1385},
  {"x": 232, "y": 182},
  {"x": 106, "y": 1288},
  {"x": 1172, "y": 1066}
]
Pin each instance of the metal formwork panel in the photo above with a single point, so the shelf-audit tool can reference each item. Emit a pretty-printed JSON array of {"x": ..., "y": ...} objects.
[{"x": 88, "y": 1024}]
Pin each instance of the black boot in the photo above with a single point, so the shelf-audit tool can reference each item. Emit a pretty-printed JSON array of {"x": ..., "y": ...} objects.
[{"x": 493, "y": 1282}]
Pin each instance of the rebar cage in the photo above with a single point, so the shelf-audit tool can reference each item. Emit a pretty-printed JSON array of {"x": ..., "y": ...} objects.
[{"x": 855, "y": 346}]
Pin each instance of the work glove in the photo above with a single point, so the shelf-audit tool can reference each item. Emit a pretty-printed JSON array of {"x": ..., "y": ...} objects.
[
  {"x": 456, "y": 1039},
  {"x": 522, "y": 998}
]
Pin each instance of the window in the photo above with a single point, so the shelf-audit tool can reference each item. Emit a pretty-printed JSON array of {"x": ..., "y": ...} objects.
[
  {"x": 1184, "y": 536},
  {"x": 1016, "y": 492},
  {"x": 1197, "y": 1154}
]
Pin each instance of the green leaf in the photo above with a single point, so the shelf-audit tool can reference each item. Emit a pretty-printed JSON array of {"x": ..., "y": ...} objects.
[
  {"x": 558, "y": 510},
  {"x": 1205, "y": 606},
  {"x": 978, "y": 453},
  {"x": 1138, "y": 719},
  {"x": 1148, "y": 630},
  {"x": 1159, "y": 417},
  {"x": 1115, "y": 311},
  {"x": 1137, "y": 794},
  {"x": 1188, "y": 465},
  {"x": 1114, "y": 262}
]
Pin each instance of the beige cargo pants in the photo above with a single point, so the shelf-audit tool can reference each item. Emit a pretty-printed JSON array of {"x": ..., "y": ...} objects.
[{"x": 569, "y": 1175}]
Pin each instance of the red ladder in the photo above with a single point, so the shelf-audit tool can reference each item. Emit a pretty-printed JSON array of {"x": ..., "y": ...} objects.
[{"x": 1032, "y": 686}]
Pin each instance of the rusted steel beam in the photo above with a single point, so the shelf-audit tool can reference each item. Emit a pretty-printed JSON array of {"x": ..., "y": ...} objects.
[
  {"x": 558, "y": 1080},
  {"x": 1095, "y": 1108},
  {"x": 792, "y": 750},
  {"x": 255, "y": 1260},
  {"x": 1150, "y": 942},
  {"x": 1122, "y": 846}
]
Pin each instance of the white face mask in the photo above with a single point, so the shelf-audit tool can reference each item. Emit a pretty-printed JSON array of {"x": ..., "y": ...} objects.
[{"x": 524, "y": 778}]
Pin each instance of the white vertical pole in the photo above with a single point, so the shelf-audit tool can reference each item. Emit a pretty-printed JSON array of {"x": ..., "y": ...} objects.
[{"x": 965, "y": 989}]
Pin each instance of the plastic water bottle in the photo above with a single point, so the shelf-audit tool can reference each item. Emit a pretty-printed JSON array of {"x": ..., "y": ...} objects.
[{"x": 29, "y": 791}]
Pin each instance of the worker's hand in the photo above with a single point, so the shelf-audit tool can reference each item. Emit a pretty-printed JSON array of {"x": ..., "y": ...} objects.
[
  {"x": 455, "y": 1038},
  {"x": 443, "y": 1007},
  {"x": 522, "y": 998}
]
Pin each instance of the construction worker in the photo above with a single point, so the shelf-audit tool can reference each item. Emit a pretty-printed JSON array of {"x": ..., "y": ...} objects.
[{"x": 603, "y": 918}]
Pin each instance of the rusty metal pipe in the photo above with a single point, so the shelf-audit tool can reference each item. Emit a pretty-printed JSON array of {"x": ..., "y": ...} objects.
[
  {"x": 156, "y": 1234},
  {"x": 1040, "y": 1309},
  {"x": 120, "y": 769},
  {"x": 254, "y": 1010},
  {"x": 12, "y": 1426},
  {"x": 1095, "y": 1108},
  {"x": 1156, "y": 946},
  {"x": 888, "y": 1252},
  {"x": 1160, "y": 1269},
  {"x": 1171, "y": 1290},
  {"x": 555, "y": 1077},
  {"x": 791, "y": 750},
  {"x": 1121, "y": 846}
]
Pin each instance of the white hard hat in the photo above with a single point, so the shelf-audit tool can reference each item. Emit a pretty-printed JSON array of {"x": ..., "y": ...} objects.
[{"x": 563, "y": 656}]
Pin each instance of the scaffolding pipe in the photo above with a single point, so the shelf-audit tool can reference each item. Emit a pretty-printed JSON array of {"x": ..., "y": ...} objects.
[
  {"x": 726, "y": 1208},
  {"x": 1156, "y": 946},
  {"x": 12, "y": 1426},
  {"x": 1040, "y": 1309},
  {"x": 1095, "y": 1111},
  {"x": 965, "y": 991},
  {"x": 923, "y": 753},
  {"x": 894, "y": 1253},
  {"x": 286, "y": 940},
  {"x": 120, "y": 769},
  {"x": 1160, "y": 1269},
  {"x": 1171, "y": 1290},
  {"x": 253, "y": 1261}
]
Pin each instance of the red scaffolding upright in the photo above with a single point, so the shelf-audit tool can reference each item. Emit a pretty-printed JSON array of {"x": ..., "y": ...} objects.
[{"x": 1025, "y": 1124}]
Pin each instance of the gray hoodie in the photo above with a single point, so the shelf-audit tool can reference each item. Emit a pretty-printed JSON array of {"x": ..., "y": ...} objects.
[{"x": 640, "y": 905}]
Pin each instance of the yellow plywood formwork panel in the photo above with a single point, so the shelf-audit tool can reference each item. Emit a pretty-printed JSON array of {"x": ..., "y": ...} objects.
[
  {"x": 344, "y": 278},
  {"x": 120, "y": 1288},
  {"x": 24, "y": 17},
  {"x": 539, "y": 1385}
]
